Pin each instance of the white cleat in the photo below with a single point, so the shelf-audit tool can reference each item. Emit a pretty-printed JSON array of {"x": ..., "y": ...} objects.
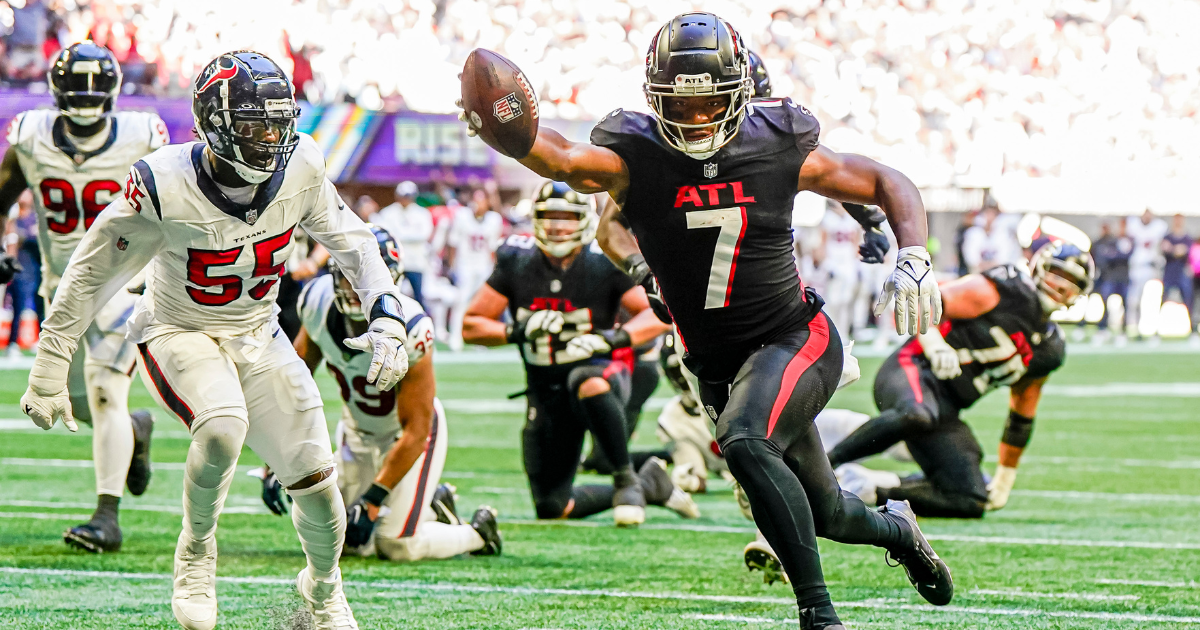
[
  {"x": 629, "y": 515},
  {"x": 326, "y": 602},
  {"x": 760, "y": 556},
  {"x": 194, "y": 600},
  {"x": 682, "y": 504}
]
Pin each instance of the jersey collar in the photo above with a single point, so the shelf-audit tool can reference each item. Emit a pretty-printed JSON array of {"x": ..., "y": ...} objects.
[
  {"x": 59, "y": 133},
  {"x": 248, "y": 213}
]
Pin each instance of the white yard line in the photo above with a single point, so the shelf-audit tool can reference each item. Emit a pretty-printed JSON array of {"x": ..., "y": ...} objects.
[
  {"x": 1108, "y": 496},
  {"x": 169, "y": 509},
  {"x": 1154, "y": 583},
  {"x": 1091, "y": 597},
  {"x": 46, "y": 516},
  {"x": 732, "y": 599}
]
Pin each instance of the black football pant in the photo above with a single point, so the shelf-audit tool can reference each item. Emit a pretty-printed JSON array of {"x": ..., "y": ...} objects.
[
  {"x": 556, "y": 422},
  {"x": 914, "y": 410},
  {"x": 642, "y": 385},
  {"x": 765, "y": 430}
]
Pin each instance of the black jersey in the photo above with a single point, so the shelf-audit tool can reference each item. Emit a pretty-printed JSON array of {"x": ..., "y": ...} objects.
[
  {"x": 1012, "y": 341},
  {"x": 717, "y": 232},
  {"x": 588, "y": 293}
]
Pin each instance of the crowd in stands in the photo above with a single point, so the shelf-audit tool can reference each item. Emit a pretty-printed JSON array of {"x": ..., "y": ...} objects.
[{"x": 958, "y": 91}]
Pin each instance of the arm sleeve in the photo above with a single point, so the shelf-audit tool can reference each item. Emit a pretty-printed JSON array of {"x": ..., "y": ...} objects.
[
  {"x": 119, "y": 244},
  {"x": 351, "y": 243}
]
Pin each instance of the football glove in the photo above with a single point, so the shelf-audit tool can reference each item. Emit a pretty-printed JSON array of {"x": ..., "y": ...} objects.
[
  {"x": 943, "y": 359},
  {"x": 273, "y": 493},
  {"x": 604, "y": 342},
  {"x": 636, "y": 268},
  {"x": 874, "y": 247},
  {"x": 359, "y": 524},
  {"x": 472, "y": 130},
  {"x": 46, "y": 400},
  {"x": 544, "y": 322},
  {"x": 9, "y": 267},
  {"x": 1000, "y": 487},
  {"x": 918, "y": 300},
  {"x": 389, "y": 360}
]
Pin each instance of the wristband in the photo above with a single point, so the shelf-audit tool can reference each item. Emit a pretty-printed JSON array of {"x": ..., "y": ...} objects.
[
  {"x": 387, "y": 306},
  {"x": 1017, "y": 430},
  {"x": 513, "y": 333},
  {"x": 636, "y": 268},
  {"x": 376, "y": 494},
  {"x": 617, "y": 338}
]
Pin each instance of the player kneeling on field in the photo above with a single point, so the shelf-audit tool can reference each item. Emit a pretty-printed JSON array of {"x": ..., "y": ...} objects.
[
  {"x": 563, "y": 296},
  {"x": 998, "y": 332},
  {"x": 391, "y": 445}
]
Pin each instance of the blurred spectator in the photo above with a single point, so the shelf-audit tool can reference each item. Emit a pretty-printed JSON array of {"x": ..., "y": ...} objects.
[
  {"x": 26, "y": 305},
  {"x": 989, "y": 242},
  {"x": 960, "y": 235},
  {"x": 1176, "y": 273},
  {"x": 366, "y": 208},
  {"x": 1111, "y": 253},
  {"x": 1145, "y": 264},
  {"x": 24, "y": 60},
  {"x": 1194, "y": 265},
  {"x": 412, "y": 226},
  {"x": 471, "y": 244}
]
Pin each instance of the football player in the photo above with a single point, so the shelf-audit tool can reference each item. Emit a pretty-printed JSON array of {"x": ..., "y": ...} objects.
[
  {"x": 471, "y": 244},
  {"x": 216, "y": 217},
  {"x": 707, "y": 185},
  {"x": 997, "y": 333},
  {"x": 391, "y": 444},
  {"x": 74, "y": 159},
  {"x": 563, "y": 294}
]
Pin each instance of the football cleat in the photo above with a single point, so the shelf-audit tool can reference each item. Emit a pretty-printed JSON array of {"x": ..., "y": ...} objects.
[
  {"x": 443, "y": 504},
  {"x": 688, "y": 480},
  {"x": 820, "y": 618},
  {"x": 139, "y": 467},
  {"x": 659, "y": 489},
  {"x": 743, "y": 501},
  {"x": 924, "y": 568},
  {"x": 629, "y": 500},
  {"x": 194, "y": 598},
  {"x": 760, "y": 556},
  {"x": 484, "y": 522},
  {"x": 98, "y": 535},
  {"x": 326, "y": 601}
]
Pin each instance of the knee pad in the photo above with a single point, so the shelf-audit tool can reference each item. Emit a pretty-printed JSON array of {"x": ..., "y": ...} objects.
[
  {"x": 550, "y": 508},
  {"x": 917, "y": 417},
  {"x": 738, "y": 453},
  {"x": 107, "y": 390},
  {"x": 221, "y": 438}
]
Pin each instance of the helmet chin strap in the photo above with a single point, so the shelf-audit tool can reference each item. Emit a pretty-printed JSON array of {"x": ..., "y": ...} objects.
[{"x": 716, "y": 139}]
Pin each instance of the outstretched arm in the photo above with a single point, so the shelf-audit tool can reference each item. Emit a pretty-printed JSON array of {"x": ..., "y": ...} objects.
[{"x": 583, "y": 166}]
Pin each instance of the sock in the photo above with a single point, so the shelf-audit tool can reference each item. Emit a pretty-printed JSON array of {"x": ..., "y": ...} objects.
[
  {"x": 319, "y": 515},
  {"x": 107, "y": 508},
  {"x": 112, "y": 439},
  {"x": 590, "y": 500},
  {"x": 433, "y": 540},
  {"x": 606, "y": 420},
  {"x": 211, "y": 463}
]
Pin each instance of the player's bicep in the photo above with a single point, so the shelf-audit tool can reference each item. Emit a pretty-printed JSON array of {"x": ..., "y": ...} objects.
[
  {"x": 968, "y": 297},
  {"x": 12, "y": 179},
  {"x": 583, "y": 166},
  {"x": 841, "y": 176},
  {"x": 487, "y": 302}
]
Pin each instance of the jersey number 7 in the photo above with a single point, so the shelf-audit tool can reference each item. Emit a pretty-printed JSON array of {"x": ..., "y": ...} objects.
[
  {"x": 201, "y": 260},
  {"x": 732, "y": 222}
]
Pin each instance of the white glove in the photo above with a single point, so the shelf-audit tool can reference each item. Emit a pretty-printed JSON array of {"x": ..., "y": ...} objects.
[
  {"x": 1001, "y": 486},
  {"x": 543, "y": 322},
  {"x": 918, "y": 301},
  {"x": 389, "y": 361},
  {"x": 585, "y": 346},
  {"x": 46, "y": 400},
  {"x": 942, "y": 358},
  {"x": 472, "y": 128}
]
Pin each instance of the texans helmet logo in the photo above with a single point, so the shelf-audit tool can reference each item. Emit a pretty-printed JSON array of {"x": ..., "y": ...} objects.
[{"x": 222, "y": 74}]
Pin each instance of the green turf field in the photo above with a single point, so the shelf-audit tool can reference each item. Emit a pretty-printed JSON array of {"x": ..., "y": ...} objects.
[{"x": 1100, "y": 533}]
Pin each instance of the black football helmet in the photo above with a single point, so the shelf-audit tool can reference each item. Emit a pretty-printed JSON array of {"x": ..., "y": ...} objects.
[
  {"x": 84, "y": 79},
  {"x": 758, "y": 74},
  {"x": 698, "y": 54},
  {"x": 670, "y": 360},
  {"x": 1063, "y": 274},
  {"x": 245, "y": 111},
  {"x": 559, "y": 237},
  {"x": 345, "y": 299}
]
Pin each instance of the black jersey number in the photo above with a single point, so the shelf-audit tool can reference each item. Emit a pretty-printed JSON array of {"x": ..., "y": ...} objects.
[{"x": 732, "y": 223}]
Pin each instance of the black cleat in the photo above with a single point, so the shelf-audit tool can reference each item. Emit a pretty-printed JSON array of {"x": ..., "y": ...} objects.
[
  {"x": 629, "y": 500},
  {"x": 139, "y": 467},
  {"x": 95, "y": 536},
  {"x": 820, "y": 618},
  {"x": 924, "y": 568},
  {"x": 443, "y": 504},
  {"x": 485, "y": 525}
]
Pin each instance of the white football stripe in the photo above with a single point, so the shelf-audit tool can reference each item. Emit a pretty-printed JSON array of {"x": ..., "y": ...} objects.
[
  {"x": 47, "y": 516},
  {"x": 1154, "y": 583}
]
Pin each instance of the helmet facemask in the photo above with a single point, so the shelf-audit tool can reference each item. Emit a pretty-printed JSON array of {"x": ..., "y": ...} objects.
[
  {"x": 83, "y": 91},
  {"x": 735, "y": 94},
  {"x": 1062, "y": 277},
  {"x": 345, "y": 299},
  {"x": 561, "y": 227}
]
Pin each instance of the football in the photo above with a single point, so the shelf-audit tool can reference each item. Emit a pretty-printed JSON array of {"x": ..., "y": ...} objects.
[{"x": 500, "y": 103}]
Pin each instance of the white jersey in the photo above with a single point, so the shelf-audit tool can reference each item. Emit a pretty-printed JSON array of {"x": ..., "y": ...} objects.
[
  {"x": 1147, "y": 240},
  {"x": 215, "y": 265},
  {"x": 367, "y": 410},
  {"x": 70, "y": 187},
  {"x": 842, "y": 235},
  {"x": 474, "y": 239}
]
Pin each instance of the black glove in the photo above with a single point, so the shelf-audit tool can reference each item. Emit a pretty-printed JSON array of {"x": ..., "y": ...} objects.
[
  {"x": 359, "y": 525},
  {"x": 272, "y": 494},
  {"x": 9, "y": 267},
  {"x": 636, "y": 268},
  {"x": 874, "y": 247}
]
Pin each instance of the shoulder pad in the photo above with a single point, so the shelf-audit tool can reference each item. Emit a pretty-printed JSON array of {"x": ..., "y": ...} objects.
[
  {"x": 618, "y": 125},
  {"x": 1049, "y": 353},
  {"x": 420, "y": 337},
  {"x": 159, "y": 136},
  {"x": 141, "y": 191},
  {"x": 1015, "y": 287},
  {"x": 26, "y": 125},
  {"x": 803, "y": 124},
  {"x": 519, "y": 241},
  {"x": 308, "y": 160}
]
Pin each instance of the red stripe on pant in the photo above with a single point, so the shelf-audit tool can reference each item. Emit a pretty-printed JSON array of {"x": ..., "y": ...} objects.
[
  {"x": 813, "y": 348},
  {"x": 414, "y": 512},
  {"x": 911, "y": 371},
  {"x": 174, "y": 402}
]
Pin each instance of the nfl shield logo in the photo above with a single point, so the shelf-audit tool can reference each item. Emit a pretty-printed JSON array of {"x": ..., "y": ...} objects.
[
  {"x": 251, "y": 217},
  {"x": 122, "y": 244},
  {"x": 710, "y": 170},
  {"x": 507, "y": 108}
]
